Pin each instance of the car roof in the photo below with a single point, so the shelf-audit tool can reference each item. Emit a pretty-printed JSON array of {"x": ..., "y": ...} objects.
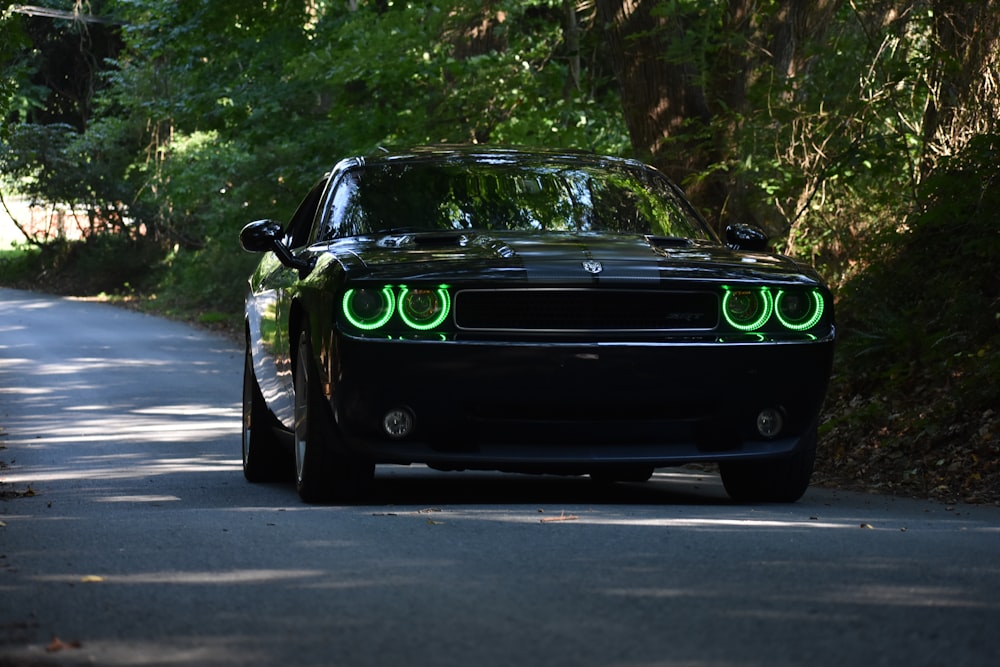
[{"x": 469, "y": 154}]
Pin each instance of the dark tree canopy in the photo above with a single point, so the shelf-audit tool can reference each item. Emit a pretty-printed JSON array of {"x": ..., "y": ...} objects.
[{"x": 816, "y": 120}]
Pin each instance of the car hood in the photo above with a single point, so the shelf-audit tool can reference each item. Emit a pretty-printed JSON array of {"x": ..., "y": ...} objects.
[{"x": 555, "y": 257}]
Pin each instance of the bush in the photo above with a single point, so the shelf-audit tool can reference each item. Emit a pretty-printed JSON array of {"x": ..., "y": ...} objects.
[
  {"x": 913, "y": 405},
  {"x": 101, "y": 264}
]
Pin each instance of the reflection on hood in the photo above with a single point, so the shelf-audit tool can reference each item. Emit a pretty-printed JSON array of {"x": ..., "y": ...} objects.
[{"x": 553, "y": 256}]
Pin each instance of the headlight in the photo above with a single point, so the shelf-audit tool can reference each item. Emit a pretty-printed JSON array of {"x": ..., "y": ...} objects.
[
  {"x": 798, "y": 310},
  {"x": 424, "y": 309},
  {"x": 396, "y": 310},
  {"x": 747, "y": 309},
  {"x": 369, "y": 309}
]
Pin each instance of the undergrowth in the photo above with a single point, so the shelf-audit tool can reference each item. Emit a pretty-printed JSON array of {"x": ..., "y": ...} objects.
[{"x": 915, "y": 403}]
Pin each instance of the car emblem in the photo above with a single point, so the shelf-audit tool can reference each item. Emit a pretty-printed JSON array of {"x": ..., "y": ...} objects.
[{"x": 592, "y": 266}]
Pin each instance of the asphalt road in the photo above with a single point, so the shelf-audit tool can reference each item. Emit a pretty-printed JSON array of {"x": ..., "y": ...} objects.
[{"x": 129, "y": 537}]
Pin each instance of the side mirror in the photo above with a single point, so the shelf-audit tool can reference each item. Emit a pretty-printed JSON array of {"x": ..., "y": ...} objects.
[
  {"x": 746, "y": 237},
  {"x": 261, "y": 235},
  {"x": 267, "y": 235}
]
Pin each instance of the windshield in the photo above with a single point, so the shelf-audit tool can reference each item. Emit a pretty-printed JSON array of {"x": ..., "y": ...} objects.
[{"x": 548, "y": 197}]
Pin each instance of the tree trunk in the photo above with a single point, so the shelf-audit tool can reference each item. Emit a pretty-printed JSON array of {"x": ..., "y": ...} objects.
[
  {"x": 665, "y": 108},
  {"x": 684, "y": 75}
]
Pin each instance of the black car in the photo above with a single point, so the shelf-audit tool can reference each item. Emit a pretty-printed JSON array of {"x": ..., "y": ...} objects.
[{"x": 537, "y": 311}]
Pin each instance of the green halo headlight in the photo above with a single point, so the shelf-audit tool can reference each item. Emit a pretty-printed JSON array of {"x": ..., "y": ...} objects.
[
  {"x": 798, "y": 310},
  {"x": 424, "y": 309},
  {"x": 368, "y": 308},
  {"x": 747, "y": 309}
]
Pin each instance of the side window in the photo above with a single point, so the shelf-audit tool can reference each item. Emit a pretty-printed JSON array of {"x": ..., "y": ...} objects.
[
  {"x": 298, "y": 228},
  {"x": 341, "y": 202}
]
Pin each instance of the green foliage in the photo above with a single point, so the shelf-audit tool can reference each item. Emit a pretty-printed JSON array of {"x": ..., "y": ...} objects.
[
  {"x": 38, "y": 156},
  {"x": 452, "y": 72},
  {"x": 20, "y": 264},
  {"x": 100, "y": 264},
  {"x": 210, "y": 279},
  {"x": 55, "y": 163},
  {"x": 831, "y": 157},
  {"x": 931, "y": 289},
  {"x": 918, "y": 356},
  {"x": 12, "y": 41},
  {"x": 216, "y": 113},
  {"x": 106, "y": 264},
  {"x": 242, "y": 107}
]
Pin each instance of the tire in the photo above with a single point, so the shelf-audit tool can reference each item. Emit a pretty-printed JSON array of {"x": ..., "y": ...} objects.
[
  {"x": 324, "y": 470},
  {"x": 263, "y": 458},
  {"x": 782, "y": 480}
]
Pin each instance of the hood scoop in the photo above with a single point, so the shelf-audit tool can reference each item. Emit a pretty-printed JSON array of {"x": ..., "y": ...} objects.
[
  {"x": 666, "y": 242},
  {"x": 443, "y": 239}
]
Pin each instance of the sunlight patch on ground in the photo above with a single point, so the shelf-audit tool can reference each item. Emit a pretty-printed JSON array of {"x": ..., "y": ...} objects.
[
  {"x": 113, "y": 423},
  {"x": 176, "y": 650},
  {"x": 718, "y": 523},
  {"x": 25, "y": 391},
  {"x": 126, "y": 470},
  {"x": 589, "y": 517},
  {"x": 909, "y": 596},
  {"x": 216, "y": 577},
  {"x": 124, "y": 430},
  {"x": 136, "y": 499},
  {"x": 85, "y": 364},
  {"x": 866, "y": 594},
  {"x": 124, "y": 442}
]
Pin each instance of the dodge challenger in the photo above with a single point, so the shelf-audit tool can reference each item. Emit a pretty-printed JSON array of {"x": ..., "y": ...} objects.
[{"x": 474, "y": 308}]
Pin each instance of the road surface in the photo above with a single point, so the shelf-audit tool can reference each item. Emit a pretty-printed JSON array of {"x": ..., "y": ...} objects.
[{"x": 129, "y": 537}]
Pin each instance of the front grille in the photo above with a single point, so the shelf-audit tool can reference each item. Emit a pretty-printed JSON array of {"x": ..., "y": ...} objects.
[{"x": 585, "y": 310}]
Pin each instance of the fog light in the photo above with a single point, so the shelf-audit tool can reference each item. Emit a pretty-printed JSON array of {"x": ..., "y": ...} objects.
[
  {"x": 398, "y": 423},
  {"x": 769, "y": 422}
]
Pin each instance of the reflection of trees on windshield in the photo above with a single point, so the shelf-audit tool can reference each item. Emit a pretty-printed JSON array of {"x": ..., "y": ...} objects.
[{"x": 553, "y": 197}]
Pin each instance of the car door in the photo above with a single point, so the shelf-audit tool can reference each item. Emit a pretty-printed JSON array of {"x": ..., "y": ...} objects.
[{"x": 271, "y": 290}]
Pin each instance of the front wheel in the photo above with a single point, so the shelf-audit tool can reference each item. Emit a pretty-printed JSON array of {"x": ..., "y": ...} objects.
[
  {"x": 263, "y": 458},
  {"x": 774, "y": 480},
  {"x": 324, "y": 470}
]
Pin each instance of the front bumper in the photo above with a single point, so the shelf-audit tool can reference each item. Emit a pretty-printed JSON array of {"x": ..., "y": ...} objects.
[{"x": 572, "y": 407}]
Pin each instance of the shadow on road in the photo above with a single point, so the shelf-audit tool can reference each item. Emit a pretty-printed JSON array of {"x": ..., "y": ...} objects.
[{"x": 420, "y": 486}]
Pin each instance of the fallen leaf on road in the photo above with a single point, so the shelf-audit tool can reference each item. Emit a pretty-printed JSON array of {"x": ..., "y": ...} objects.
[
  {"x": 58, "y": 645},
  {"x": 91, "y": 579}
]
